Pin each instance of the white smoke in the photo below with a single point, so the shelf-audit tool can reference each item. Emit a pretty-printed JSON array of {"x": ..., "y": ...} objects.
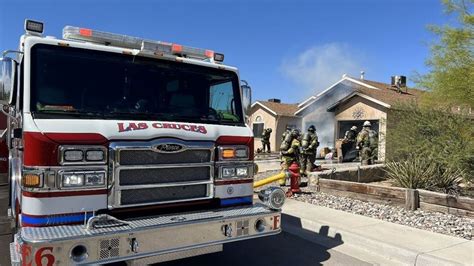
[{"x": 321, "y": 66}]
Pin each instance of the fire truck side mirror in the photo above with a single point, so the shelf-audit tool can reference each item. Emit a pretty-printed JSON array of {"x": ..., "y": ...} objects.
[
  {"x": 7, "y": 80},
  {"x": 246, "y": 96}
]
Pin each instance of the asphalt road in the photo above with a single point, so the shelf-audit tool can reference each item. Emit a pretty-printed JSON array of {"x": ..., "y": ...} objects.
[{"x": 283, "y": 249}]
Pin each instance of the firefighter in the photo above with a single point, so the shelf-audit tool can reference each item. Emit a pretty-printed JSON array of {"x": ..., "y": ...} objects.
[
  {"x": 309, "y": 145},
  {"x": 348, "y": 144},
  {"x": 367, "y": 144},
  {"x": 266, "y": 139},
  {"x": 287, "y": 131},
  {"x": 350, "y": 135},
  {"x": 374, "y": 145},
  {"x": 289, "y": 151}
]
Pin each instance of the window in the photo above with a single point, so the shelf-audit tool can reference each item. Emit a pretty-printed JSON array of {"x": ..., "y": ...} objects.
[
  {"x": 258, "y": 127},
  {"x": 222, "y": 100},
  {"x": 79, "y": 83},
  {"x": 344, "y": 126},
  {"x": 258, "y": 130}
]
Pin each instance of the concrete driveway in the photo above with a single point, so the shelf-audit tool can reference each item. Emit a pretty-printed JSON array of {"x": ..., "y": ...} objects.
[{"x": 283, "y": 249}]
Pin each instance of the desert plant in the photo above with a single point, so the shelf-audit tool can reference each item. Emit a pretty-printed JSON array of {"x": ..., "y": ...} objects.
[
  {"x": 448, "y": 180},
  {"x": 413, "y": 173},
  {"x": 422, "y": 173}
]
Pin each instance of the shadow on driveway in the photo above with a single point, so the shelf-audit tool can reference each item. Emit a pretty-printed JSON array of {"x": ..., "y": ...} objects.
[{"x": 283, "y": 249}]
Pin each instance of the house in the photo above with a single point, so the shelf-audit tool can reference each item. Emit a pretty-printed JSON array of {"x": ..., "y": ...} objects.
[
  {"x": 351, "y": 101},
  {"x": 275, "y": 115}
]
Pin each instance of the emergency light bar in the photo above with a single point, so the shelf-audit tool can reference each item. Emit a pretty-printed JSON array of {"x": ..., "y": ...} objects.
[{"x": 150, "y": 46}]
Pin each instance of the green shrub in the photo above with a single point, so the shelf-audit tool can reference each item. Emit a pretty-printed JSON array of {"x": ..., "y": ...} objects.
[{"x": 439, "y": 137}]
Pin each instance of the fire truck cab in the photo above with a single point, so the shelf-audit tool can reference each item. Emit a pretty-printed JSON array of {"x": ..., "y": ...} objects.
[{"x": 126, "y": 149}]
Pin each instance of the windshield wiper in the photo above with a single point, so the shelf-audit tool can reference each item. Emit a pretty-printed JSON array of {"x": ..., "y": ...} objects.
[
  {"x": 75, "y": 113},
  {"x": 134, "y": 114},
  {"x": 207, "y": 119}
]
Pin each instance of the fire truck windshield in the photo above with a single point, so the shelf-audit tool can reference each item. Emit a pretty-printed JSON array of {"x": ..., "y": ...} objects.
[{"x": 90, "y": 84}]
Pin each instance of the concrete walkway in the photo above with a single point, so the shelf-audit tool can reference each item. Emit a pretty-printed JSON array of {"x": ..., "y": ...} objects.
[{"x": 374, "y": 240}]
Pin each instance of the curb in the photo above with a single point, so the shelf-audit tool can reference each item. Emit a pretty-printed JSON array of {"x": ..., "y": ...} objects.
[{"x": 381, "y": 251}]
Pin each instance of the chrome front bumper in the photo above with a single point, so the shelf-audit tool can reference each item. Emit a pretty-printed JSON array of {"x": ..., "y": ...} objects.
[{"x": 143, "y": 237}]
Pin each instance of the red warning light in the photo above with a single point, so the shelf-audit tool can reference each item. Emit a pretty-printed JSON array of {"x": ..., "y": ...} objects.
[
  {"x": 176, "y": 48},
  {"x": 209, "y": 54},
  {"x": 85, "y": 32}
]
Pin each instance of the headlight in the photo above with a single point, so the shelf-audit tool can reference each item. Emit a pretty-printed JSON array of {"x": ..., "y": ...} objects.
[
  {"x": 82, "y": 155},
  {"x": 228, "y": 172},
  {"x": 83, "y": 179},
  {"x": 240, "y": 172},
  {"x": 73, "y": 155},
  {"x": 73, "y": 180},
  {"x": 95, "y": 179},
  {"x": 95, "y": 155}
]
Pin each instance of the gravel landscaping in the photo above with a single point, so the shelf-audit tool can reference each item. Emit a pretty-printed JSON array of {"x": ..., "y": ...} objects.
[{"x": 427, "y": 220}]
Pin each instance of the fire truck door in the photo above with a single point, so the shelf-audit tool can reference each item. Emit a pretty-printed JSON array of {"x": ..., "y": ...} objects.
[{"x": 3, "y": 150}]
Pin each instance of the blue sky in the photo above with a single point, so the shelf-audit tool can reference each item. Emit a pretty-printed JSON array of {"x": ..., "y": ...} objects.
[{"x": 285, "y": 49}]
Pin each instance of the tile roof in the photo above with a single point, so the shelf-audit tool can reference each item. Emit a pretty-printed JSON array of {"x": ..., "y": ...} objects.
[
  {"x": 387, "y": 93},
  {"x": 281, "y": 108}
]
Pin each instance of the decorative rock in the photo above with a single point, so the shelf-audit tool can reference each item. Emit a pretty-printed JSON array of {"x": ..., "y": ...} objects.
[{"x": 448, "y": 224}]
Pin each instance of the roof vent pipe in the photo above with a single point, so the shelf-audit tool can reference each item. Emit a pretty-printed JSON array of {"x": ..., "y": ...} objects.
[{"x": 362, "y": 74}]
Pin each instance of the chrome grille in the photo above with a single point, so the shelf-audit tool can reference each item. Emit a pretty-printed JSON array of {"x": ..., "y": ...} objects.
[
  {"x": 141, "y": 175},
  {"x": 130, "y": 177},
  {"x": 166, "y": 194},
  {"x": 144, "y": 157}
]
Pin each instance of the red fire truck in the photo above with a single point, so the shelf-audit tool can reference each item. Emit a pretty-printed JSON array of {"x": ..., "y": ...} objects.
[{"x": 125, "y": 149}]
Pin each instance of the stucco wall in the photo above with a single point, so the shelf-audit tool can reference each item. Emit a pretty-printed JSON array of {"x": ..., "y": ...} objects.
[
  {"x": 276, "y": 123},
  {"x": 370, "y": 111},
  {"x": 269, "y": 122}
]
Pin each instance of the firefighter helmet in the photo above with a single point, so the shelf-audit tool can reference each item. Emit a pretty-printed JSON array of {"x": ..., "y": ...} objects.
[
  {"x": 295, "y": 132},
  {"x": 312, "y": 128},
  {"x": 367, "y": 124}
]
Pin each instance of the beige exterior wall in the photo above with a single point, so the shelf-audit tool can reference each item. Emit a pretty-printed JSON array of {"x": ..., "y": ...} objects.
[
  {"x": 276, "y": 123},
  {"x": 369, "y": 111},
  {"x": 269, "y": 121}
]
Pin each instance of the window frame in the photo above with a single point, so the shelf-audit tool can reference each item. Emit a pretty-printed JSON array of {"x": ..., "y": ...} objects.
[{"x": 260, "y": 121}]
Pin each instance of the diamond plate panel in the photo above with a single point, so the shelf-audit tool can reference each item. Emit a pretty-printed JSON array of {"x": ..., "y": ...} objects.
[{"x": 78, "y": 231}]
